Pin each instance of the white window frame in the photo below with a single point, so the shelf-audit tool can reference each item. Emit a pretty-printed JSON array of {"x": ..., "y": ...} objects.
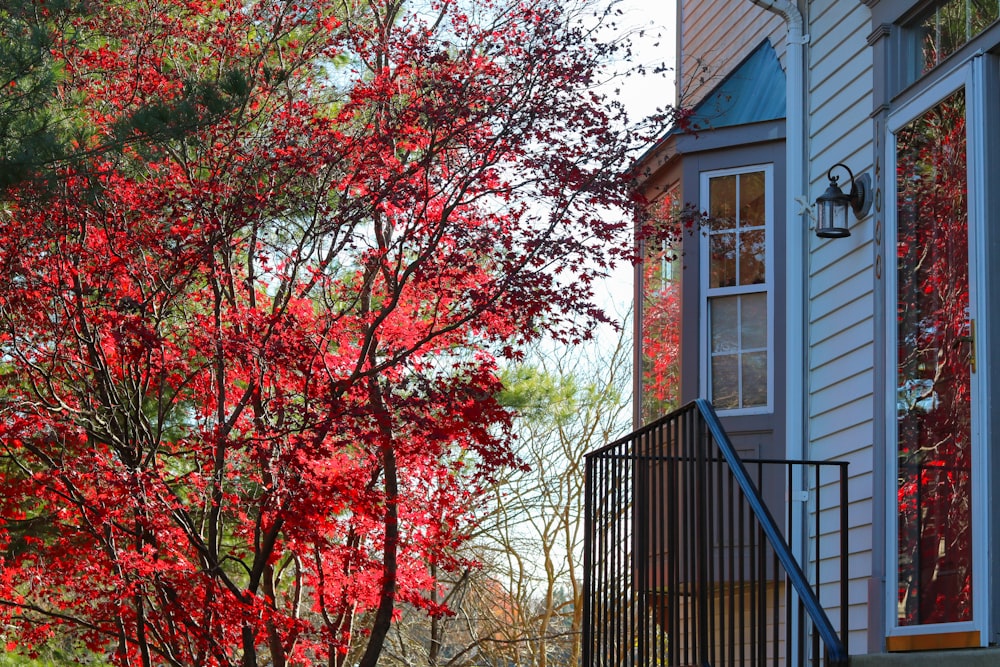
[
  {"x": 767, "y": 286},
  {"x": 971, "y": 77}
]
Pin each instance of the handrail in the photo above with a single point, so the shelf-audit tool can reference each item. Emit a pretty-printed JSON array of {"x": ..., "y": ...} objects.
[
  {"x": 831, "y": 640},
  {"x": 662, "y": 526}
]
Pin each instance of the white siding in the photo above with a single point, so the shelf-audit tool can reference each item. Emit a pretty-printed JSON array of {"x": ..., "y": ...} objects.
[
  {"x": 715, "y": 36},
  {"x": 841, "y": 302}
]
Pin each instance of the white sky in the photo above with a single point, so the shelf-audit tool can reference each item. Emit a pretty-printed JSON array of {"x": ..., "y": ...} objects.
[{"x": 652, "y": 24}]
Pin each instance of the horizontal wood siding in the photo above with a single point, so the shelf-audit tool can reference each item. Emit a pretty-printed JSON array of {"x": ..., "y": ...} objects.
[
  {"x": 841, "y": 290},
  {"x": 715, "y": 36}
]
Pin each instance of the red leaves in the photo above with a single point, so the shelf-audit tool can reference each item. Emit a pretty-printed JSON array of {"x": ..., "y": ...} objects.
[
  {"x": 249, "y": 340},
  {"x": 660, "y": 237}
]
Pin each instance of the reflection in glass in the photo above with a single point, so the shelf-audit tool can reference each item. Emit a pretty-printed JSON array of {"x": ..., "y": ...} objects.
[
  {"x": 721, "y": 202},
  {"x": 725, "y": 324},
  {"x": 933, "y": 407},
  {"x": 754, "y": 379},
  {"x": 754, "y": 322},
  {"x": 752, "y": 266},
  {"x": 951, "y": 25},
  {"x": 725, "y": 381},
  {"x": 722, "y": 259},
  {"x": 982, "y": 14},
  {"x": 660, "y": 326},
  {"x": 752, "y": 199}
]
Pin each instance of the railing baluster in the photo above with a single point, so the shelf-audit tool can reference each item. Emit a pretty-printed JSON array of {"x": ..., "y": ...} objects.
[
  {"x": 710, "y": 540},
  {"x": 755, "y": 593},
  {"x": 661, "y": 545},
  {"x": 819, "y": 535},
  {"x": 776, "y": 612},
  {"x": 684, "y": 563},
  {"x": 626, "y": 620},
  {"x": 588, "y": 560},
  {"x": 744, "y": 634},
  {"x": 733, "y": 577},
  {"x": 761, "y": 611},
  {"x": 613, "y": 606},
  {"x": 640, "y": 504},
  {"x": 689, "y": 541},
  {"x": 674, "y": 587},
  {"x": 844, "y": 557},
  {"x": 790, "y": 536},
  {"x": 606, "y": 590}
]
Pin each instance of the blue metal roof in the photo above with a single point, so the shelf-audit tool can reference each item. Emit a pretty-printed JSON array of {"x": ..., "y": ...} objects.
[{"x": 752, "y": 93}]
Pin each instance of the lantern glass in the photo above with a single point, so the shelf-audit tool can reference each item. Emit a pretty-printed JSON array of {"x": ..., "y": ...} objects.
[{"x": 831, "y": 221}]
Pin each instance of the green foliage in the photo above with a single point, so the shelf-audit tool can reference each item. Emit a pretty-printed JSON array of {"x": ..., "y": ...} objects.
[
  {"x": 202, "y": 102},
  {"x": 53, "y": 658},
  {"x": 538, "y": 394},
  {"x": 15, "y": 660},
  {"x": 28, "y": 80}
]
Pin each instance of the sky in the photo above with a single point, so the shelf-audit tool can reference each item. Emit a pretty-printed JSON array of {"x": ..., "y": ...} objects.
[{"x": 652, "y": 25}]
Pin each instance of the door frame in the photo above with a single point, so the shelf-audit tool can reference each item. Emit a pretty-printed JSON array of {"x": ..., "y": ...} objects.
[{"x": 969, "y": 75}]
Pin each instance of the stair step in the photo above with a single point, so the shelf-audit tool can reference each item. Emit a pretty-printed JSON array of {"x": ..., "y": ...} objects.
[{"x": 986, "y": 657}]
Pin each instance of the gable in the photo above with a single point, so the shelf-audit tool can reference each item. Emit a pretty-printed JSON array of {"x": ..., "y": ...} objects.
[{"x": 752, "y": 93}]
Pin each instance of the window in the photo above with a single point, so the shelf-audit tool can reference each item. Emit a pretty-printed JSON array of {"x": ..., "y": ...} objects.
[
  {"x": 947, "y": 27},
  {"x": 661, "y": 309},
  {"x": 736, "y": 271}
]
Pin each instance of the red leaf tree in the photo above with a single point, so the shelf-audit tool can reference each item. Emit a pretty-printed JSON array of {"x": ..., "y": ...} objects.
[{"x": 249, "y": 332}]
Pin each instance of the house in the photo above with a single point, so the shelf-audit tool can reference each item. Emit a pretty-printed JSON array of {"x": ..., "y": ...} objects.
[{"x": 857, "y": 333}]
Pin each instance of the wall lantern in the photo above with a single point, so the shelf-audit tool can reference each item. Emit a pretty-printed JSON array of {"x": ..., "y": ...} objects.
[{"x": 831, "y": 206}]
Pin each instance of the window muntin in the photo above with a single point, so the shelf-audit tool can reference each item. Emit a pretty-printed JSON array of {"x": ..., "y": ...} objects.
[{"x": 736, "y": 269}]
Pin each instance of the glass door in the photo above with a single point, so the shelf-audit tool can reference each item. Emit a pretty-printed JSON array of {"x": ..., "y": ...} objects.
[{"x": 935, "y": 354}]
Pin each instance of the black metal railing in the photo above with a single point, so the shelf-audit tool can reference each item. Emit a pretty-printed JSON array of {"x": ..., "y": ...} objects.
[{"x": 684, "y": 564}]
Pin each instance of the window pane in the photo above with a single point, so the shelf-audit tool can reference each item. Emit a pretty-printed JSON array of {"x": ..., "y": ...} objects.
[
  {"x": 951, "y": 28},
  {"x": 951, "y": 25},
  {"x": 752, "y": 266},
  {"x": 933, "y": 376},
  {"x": 722, "y": 260},
  {"x": 725, "y": 382},
  {"x": 661, "y": 312},
  {"x": 982, "y": 14},
  {"x": 754, "y": 311},
  {"x": 725, "y": 324},
  {"x": 752, "y": 199},
  {"x": 721, "y": 200},
  {"x": 754, "y": 379}
]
